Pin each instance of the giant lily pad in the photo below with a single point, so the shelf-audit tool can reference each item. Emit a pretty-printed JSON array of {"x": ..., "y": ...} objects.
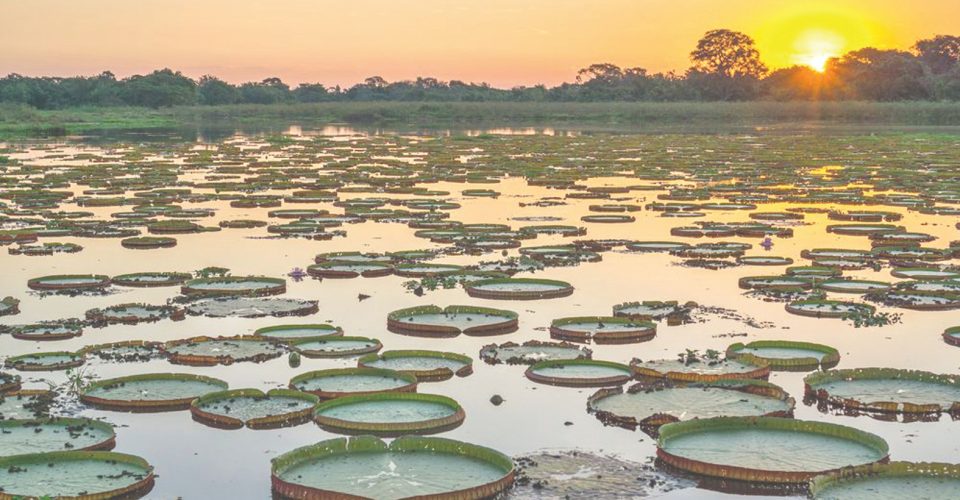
[
  {"x": 18, "y": 437},
  {"x": 286, "y": 333},
  {"x": 532, "y": 351},
  {"x": 579, "y": 373},
  {"x": 69, "y": 282},
  {"x": 409, "y": 467},
  {"x": 254, "y": 408},
  {"x": 518, "y": 289},
  {"x": 766, "y": 449},
  {"x": 649, "y": 405},
  {"x": 209, "y": 351},
  {"x": 252, "y": 307},
  {"x": 603, "y": 329},
  {"x": 235, "y": 286},
  {"x": 335, "y": 347},
  {"x": 75, "y": 474},
  {"x": 389, "y": 414},
  {"x": 701, "y": 370},
  {"x": 45, "y": 361},
  {"x": 890, "y": 481},
  {"x": 426, "y": 366},
  {"x": 338, "y": 382},
  {"x": 786, "y": 355},
  {"x": 885, "y": 390},
  {"x": 435, "y": 321},
  {"x": 149, "y": 392}
]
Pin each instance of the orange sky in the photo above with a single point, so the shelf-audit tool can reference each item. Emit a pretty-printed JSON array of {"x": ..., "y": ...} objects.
[{"x": 503, "y": 42}]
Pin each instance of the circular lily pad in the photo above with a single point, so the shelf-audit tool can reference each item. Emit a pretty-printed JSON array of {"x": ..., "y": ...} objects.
[
  {"x": 518, "y": 289},
  {"x": 350, "y": 269},
  {"x": 45, "y": 249},
  {"x": 828, "y": 308},
  {"x": 532, "y": 351},
  {"x": 952, "y": 336},
  {"x": 426, "y": 366},
  {"x": 69, "y": 282},
  {"x": 126, "y": 351},
  {"x": 18, "y": 437},
  {"x": 925, "y": 273},
  {"x": 253, "y": 408},
  {"x": 409, "y": 467},
  {"x": 129, "y": 314},
  {"x": 209, "y": 351},
  {"x": 765, "y": 449},
  {"x": 339, "y": 382},
  {"x": 603, "y": 330},
  {"x": 245, "y": 286},
  {"x": 608, "y": 219},
  {"x": 775, "y": 283},
  {"x": 863, "y": 229},
  {"x": 921, "y": 301},
  {"x": 435, "y": 321},
  {"x": 579, "y": 373},
  {"x": 45, "y": 361},
  {"x": 75, "y": 474},
  {"x": 889, "y": 481},
  {"x": 650, "y": 309},
  {"x": 148, "y": 242},
  {"x": 424, "y": 270},
  {"x": 286, "y": 333},
  {"x": 701, "y": 370},
  {"x": 764, "y": 260},
  {"x": 648, "y": 405},
  {"x": 149, "y": 392},
  {"x": 46, "y": 331},
  {"x": 389, "y": 414},
  {"x": 656, "y": 246},
  {"x": 786, "y": 355},
  {"x": 335, "y": 347},
  {"x": 885, "y": 390},
  {"x": 150, "y": 279},
  {"x": 852, "y": 286},
  {"x": 252, "y": 307}
]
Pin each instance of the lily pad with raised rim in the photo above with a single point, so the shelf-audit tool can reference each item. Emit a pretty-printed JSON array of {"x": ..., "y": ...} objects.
[
  {"x": 389, "y": 414},
  {"x": 408, "y": 467},
  {"x": 75, "y": 474},
  {"x": 254, "y": 408}
]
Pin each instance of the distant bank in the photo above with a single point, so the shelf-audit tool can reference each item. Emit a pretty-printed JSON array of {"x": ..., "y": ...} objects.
[{"x": 17, "y": 121}]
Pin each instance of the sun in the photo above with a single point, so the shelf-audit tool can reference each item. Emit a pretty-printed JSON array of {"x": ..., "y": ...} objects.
[
  {"x": 809, "y": 33},
  {"x": 815, "y": 47}
]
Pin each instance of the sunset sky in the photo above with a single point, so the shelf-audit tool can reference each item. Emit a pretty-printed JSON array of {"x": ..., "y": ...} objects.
[{"x": 503, "y": 42}]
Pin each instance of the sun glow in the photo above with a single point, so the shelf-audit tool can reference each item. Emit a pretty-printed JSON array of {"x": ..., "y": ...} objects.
[
  {"x": 815, "y": 47},
  {"x": 810, "y": 33}
]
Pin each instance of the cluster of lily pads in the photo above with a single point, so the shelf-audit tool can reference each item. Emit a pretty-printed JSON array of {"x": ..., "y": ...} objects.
[{"x": 714, "y": 414}]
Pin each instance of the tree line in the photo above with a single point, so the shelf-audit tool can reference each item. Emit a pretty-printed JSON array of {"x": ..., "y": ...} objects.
[{"x": 726, "y": 66}]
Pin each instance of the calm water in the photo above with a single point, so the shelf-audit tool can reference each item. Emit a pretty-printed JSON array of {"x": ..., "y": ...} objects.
[{"x": 196, "y": 461}]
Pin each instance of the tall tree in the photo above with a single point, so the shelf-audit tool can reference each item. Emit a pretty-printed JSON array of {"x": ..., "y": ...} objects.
[
  {"x": 729, "y": 54},
  {"x": 940, "y": 53},
  {"x": 213, "y": 91},
  {"x": 879, "y": 75},
  {"x": 726, "y": 66},
  {"x": 161, "y": 88}
]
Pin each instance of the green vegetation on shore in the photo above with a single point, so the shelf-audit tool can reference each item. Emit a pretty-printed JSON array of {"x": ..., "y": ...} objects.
[{"x": 24, "y": 122}]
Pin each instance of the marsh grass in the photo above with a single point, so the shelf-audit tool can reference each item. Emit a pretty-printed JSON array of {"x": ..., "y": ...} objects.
[{"x": 23, "y": 121}]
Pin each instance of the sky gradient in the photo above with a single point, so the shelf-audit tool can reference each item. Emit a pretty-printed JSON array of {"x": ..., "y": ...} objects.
[{"x": 503, "y": 42}]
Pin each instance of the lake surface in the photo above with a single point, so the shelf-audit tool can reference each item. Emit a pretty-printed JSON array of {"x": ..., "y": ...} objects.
[{"x": 196, "y": 461}]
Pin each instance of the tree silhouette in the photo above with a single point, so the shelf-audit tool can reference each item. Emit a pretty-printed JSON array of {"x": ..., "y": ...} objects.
[
  {"x": 726, "y": 53},
  {"x": 940, "y": 53}
]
